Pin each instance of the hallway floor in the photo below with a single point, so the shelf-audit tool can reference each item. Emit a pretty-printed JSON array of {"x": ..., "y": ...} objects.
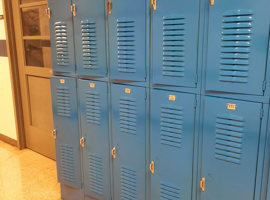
[{"x": 26, "y": 175}]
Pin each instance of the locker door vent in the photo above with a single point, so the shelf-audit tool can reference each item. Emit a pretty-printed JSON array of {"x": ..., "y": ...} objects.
[
  {"x": 63, "y": 102},
  {"x": 61, "y": 42},
  {"x": 89, "y": 44},
  {"x": 67, "y": 163},
  {"x": 235, "y": 46},
  {"x": 169, "y": 191},
  {"x": 126, "y": 45},
  {"x": 96, "y": 173},
  {"x": 93, "y": 111},
  {"x": 229, "y": 138},
  {"x": 174, "y": 46},
  {"x": 128, "y": 115},
  {"x": 128, "y": 183},
  {"x": 171, "y": 125}
]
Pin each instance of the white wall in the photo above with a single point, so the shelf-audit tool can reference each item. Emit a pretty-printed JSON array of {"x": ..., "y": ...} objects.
[{"x": 7, "y": 117}]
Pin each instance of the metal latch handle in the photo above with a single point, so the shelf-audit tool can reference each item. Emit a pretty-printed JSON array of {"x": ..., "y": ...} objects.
[
  {"x": 202, "y": 184},
  {"x": 48, "y": 12},
  {"x": 152, "y": 167},
  {"x": 154, "y": 4},
  {"x": 114, "y": 153},
  {"x": 54, "y": 133},
  {"x": 73, "y": 9},
  {"x": 82, "y": 142},
  {"x": 109, "y": 6},
  {"x": 212, "y": 2}
]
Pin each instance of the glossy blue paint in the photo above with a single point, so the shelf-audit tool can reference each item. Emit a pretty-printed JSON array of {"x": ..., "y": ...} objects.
[
  {"x": 230, "y": 148},
  {"x": 127, "y": 40},
  {"x": 175, "y": 29},
  {"x": 61, "y": 29},
  {"x": 128, "y": 137},
  {"x": 66, "y": 124},
  {"x": 237, "y": 46},
  {"x": 90, "y": 38},
  {"x": 172, "y": 140},
  {"x": 93, "y": 100}
]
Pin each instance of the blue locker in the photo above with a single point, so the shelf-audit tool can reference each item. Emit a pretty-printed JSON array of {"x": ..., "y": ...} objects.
[
  {"x": 66, "y": 124},
  {"x": 231, "y": 131},
  {"x": 237, "y": 46},
  {"x": 175, "y": 27},
  {"x": 93, "y": 97},
  {"x": 90, "y": 38},
  {"x": 61, "y": 29},
  {"x": 172, "y": 140},
  {"x": 268, "y": 189},
  {"x": 128, "y": 134},
  {"x": 127, "y": 40}
]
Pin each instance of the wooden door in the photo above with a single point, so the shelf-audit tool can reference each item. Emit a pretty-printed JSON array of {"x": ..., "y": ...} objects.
[{"x": 31, "y": 23}]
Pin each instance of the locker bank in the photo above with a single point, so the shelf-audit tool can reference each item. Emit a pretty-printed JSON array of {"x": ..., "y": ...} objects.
[{"x": 161, "y": 99}]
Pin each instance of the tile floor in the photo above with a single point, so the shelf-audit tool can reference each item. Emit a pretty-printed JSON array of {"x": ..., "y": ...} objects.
[{"x": 26, "y": 175}]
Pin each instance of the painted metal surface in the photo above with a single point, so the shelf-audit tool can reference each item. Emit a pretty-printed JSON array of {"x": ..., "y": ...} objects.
[
  {"x": 90, "y": 37},
  {"x": 231, "y": 131},
  {"x": 128, "y": 135},
  {"x": 172, "y": 139},
  {"x": 237, "y": 46},
  {"x": 175, "y": 29},
  {"x": 127, "y": 40},
  {"x": 61, "y": 29},
  {"x": 66, "y": 124}
]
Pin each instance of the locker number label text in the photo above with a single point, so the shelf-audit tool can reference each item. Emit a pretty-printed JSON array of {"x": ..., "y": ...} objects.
[
  {"x": 127, "y": 90},
  {"x": 231, "y": 106},
  {"x": 172, "y": 98},
  {"x": 92, "y": 85},
  {"x": 62, "y": 81}
]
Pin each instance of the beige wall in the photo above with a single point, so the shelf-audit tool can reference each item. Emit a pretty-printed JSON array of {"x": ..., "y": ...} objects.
[{"x": 7, "y": 118}]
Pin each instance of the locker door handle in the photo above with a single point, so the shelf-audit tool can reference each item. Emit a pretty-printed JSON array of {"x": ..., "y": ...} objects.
[
  {"x": 48, "y": 12},
  {"x": 154, "y": 4},
  {"x": 73, "y": 9},
  {"x": 152, "y": 167},
  {"x": 82, "y": 142},
  {"x": 54, "y": 133},
  {"x": 114, "y": 153},
  {"x": 202, "y": 184},
  {"x": 212, "y": 2},
  {"x": 109, "y": 6}
]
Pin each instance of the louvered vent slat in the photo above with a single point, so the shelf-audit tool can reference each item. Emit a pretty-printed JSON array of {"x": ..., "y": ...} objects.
[
  {"x": 174, "y": 46},
  {"x": 67, "y": 162},
  {"x": 93, "y": 109},
  {"x": 128, "y": 115},
  {"x": 126, "y": 45},
  {"x": 61, "y": 40},
  {"x": 63, "y": 100},
  {"x": 171, "y": 125},
  {"x": 169, "y": 191},
  {"x": 236, "y": 44},
  {"x": 128, "y": 183},
  {"x": 89, "y": 44},
  {"x": 96, "y": 173},
  {"x": 229, "y": 138}
]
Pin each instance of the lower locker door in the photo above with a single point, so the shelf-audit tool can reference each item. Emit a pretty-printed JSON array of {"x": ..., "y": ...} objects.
[
  {"x": 95, "y": 131},
  {"x": 65, "y": 116},
  {"x": 128, "y": 120},
  {"x": 231, "y": 131},
  {"x": 172, "y": 135}
]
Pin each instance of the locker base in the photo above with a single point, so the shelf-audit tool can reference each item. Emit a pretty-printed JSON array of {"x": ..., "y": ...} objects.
[{"x": 70, "y": 193}]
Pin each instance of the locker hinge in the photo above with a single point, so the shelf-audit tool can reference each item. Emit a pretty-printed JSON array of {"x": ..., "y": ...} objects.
[
  {"x": 82, "y": 142},
  {"x": 54, "y": 133},
  {"x": 212, "y": 2},
  {"x": 48, "y": 12},
  {"x": 73, "y": 9},
  {"x": 261, "y": 113},
  {"x": 154, "y": 4},
  {"x": 202, "y": 184},
  {"x": 152, "y": 167},
  {"x": 109, "y": 6},
  {"x": 114, "y": 152},
  {"x": 264, "y": 85}
]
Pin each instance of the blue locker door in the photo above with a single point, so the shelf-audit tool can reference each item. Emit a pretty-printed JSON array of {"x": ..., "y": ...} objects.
[
  {"x": 175, "y": 42},
  {"x": 237, "y": 46},
  {"x": 61, "y": 27},
  {"x": 128, "y": 126},
  {"x": 65, "y": 116},
  {"x": 231, "y": 131},
  {"x": 127, "y": 40},
  {"x": 90, "y": 37},
  {"x": 95, "y": 130},
  {"x": 172, "y": 139}
]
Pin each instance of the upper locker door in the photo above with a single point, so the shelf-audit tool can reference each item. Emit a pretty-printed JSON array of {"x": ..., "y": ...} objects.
[
  {"x": 127, "y": 40},
  {"x": 231, "y": 131},
  {"x": 61, "y": 26},
  {"x": 95, "y": 132},
  {"x": 237, "y": 46},
  {"x": 90, "y": 37},
  {"x": 66, "y": 124},
  {"x": 175, "y": 42},
  {"x": 172, "y": 139},
  {"x": 128, "y": 126}
]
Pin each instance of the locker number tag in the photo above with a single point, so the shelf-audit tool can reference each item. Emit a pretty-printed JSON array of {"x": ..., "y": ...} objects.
[
  {"x": 127, "y": 90},
  {"x": 92, "y": 85},
  {"x": 172, "y": 98},
  {"x": 231, "y": 106},
  {"x": 62, "y": 81}
]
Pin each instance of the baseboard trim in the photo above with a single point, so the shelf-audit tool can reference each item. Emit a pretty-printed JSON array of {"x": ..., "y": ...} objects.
[{"x": 8, "y": 140}]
